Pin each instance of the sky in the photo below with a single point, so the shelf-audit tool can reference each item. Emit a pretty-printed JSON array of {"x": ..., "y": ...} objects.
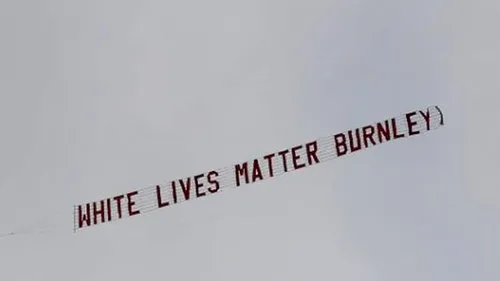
[{"x": 104, "y": 97}]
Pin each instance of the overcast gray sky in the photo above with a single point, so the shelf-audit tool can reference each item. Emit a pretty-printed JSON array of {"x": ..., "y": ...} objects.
[{"x": 102, "y": 97}]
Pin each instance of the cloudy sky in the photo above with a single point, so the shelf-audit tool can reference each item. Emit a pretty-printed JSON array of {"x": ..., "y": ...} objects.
[{"x": 102, "y": 97}]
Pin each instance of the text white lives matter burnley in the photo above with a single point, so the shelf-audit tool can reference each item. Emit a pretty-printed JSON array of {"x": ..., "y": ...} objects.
[{"x": 258, "y": 169}]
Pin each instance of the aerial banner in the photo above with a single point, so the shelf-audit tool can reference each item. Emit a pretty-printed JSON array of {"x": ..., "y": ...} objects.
[{"x": 266, "y": 166}]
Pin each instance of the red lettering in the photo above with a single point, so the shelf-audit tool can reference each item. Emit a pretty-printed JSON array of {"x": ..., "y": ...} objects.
[
  {"x": 174, "y": 191},
  {"x": 256, "y": 172},
  {"x": 395, "y": 129},
  {"x": 283, "y": 156},
  {"x": 118, "y": 200},
  {"x": 351, "y": 141},
  {"x": 214, "y": 182},
  {"x": 269, "y": 159},
  {"x": 383, "y": 132},
  {"x": 427, "y": 118},
  {"x": 108, "y": 201},
  {"x": 161, "y": 204},
  {"x": 186, "y": 188},
  {"x": 296, "y": 157},
  {"x": 241, "y": 170},
  {"x": 340, "y": 142},
  {"x": 311, "y": 150},
  {"x": 98, "y": 212},
  {"x": 197, "y": 185},
  {"x": 83, "y": 216},
  {"x": 368, "y": 132},
  {"x": 411, "y": 124},
  {"x": 132, "y": 203}
]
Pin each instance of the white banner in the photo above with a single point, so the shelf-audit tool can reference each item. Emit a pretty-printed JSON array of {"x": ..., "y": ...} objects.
[{"x": 214, "y": 181}]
